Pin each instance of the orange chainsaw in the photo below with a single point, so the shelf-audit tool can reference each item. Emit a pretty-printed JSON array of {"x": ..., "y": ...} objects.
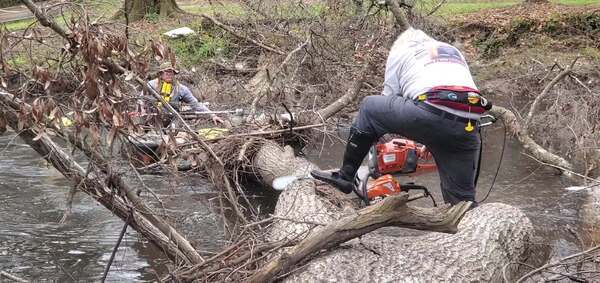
[{"x": 389, "y": 160}]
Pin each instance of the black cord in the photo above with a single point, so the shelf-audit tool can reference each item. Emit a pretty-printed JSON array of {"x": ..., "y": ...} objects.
[
  {"x": 114, "y": 252},
  {"x": 478, "y": 158},
  {"x": 499, "y": 162}
]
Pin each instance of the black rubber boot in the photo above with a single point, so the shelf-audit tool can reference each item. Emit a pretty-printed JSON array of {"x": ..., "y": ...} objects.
[{"x": 357, "y": 148}]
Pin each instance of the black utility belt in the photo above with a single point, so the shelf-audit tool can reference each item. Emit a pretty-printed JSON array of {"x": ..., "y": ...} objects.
[{"x": 464, "y": 97}]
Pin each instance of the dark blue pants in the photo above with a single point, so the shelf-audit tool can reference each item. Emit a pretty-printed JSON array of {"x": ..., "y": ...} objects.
[{"x": 455, "y": 150}]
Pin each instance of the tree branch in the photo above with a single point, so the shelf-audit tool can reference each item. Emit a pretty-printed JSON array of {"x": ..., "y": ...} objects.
[
  {"x": 536, "y": 101},
  {"x": 401, "y": 21},
  {"x": 116, "y": 68},
  {"x": 351, "y": 94},
  {"x": 558, "y": 262},
  {"x": 514, "y": 126}
]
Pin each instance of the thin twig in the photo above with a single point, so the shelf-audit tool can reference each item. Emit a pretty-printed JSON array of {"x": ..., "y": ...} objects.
[
  {"x": 12, "y": 277},
  {"x": 558, "y": 262},
  {"x": 538, "y": 99},
  {"x": 562, "y": 168}
]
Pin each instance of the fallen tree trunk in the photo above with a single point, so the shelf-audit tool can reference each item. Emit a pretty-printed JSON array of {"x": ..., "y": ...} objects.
[
  {"x": 590, "y": 216},
  {"x": 488, "y": 238},
  {"x": 393, "y": 211}
]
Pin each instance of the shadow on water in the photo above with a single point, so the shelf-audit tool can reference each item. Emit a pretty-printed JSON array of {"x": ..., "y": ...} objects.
[{"x": 521, "y": 182}]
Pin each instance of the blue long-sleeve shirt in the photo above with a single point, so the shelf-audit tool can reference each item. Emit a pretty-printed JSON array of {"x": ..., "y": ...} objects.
[{"x": 180, "y": 93}]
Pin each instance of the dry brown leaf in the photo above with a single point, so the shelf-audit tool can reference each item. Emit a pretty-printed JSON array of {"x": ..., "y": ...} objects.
[
  {"x": 37, "y": 109},
  {"x": 111, "y": 136},
  {"x": 41, "y": 74}
]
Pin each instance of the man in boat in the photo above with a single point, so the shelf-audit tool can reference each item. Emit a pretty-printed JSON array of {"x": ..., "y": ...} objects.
[
  {"x": 174, "y": 92},
  {"x": 428, "y": 96}
]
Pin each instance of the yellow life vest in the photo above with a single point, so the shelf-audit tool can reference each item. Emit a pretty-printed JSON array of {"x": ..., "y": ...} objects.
[{"x": 166, "y": 89}]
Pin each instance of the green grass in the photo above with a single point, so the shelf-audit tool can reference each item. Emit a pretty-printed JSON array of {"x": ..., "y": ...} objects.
[
  {"x": 17, "y": 61},
  {"x": 591, "y": 52},
  {"x": 23, "y": 24},
  {"x": 453, "y": 7},
  {"x": 17, "y": 25},
  {"x": 465, "y": 7},
  {"x": 195, "y": 49},
  {"x": 577, "y": 2},
  {"x": 226, "y": 9}
]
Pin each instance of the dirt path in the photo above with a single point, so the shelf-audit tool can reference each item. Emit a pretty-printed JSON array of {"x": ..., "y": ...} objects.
[{"x": 19, "y": 12}]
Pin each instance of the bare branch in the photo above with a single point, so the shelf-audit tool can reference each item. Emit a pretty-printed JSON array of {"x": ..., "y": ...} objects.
[
  {"x": 556, "y": 263},
  {"x": 535, "y": 103},
  {"x": 514, "y": 126},
  {"x": 401, "y": 21}
]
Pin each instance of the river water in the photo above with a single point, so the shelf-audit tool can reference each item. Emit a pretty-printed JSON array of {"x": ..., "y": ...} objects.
[{"x": 35, "y": 247}]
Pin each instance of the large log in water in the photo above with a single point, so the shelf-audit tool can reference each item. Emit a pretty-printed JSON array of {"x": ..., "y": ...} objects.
[
  {"x": 488, "y": 238},
  {"x": 590, "y": 216}
]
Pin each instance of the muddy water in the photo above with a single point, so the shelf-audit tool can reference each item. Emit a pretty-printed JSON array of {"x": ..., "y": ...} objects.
[{"x": 35, "y": 247}]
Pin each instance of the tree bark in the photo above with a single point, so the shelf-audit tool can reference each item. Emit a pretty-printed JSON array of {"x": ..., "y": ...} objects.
[
  {"x": 401, "y": 21},
  {"x": 138, "y": 9},
  {"x": 590, "y": 216},
  {"x": 393, "y": 211}
]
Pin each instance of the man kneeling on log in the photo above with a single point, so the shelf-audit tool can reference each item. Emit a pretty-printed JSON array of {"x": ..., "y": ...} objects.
[{"x": 429, "y": 96}]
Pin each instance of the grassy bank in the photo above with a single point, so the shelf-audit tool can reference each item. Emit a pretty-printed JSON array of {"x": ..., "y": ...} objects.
[{"x": 453, "y": 7}]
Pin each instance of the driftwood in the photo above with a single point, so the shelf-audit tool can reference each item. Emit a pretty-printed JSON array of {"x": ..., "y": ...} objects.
[
  {"x": 349, "y": 96},
  {"x": 487, "y": 239}
]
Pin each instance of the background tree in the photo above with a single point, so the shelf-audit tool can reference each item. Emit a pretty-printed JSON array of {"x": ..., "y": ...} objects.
[{"x": 138, "y": 9}]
